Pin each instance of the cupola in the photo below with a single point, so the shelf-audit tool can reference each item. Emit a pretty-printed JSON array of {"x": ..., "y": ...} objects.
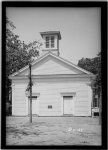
[{"x": 51, "y": 41}]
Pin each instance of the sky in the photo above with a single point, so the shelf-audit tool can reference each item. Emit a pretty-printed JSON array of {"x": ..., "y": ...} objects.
[{"x": 80, "y": 28}]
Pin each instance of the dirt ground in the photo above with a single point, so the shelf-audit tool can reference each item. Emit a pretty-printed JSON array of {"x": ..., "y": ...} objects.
[{"x": 53, "y": 131}]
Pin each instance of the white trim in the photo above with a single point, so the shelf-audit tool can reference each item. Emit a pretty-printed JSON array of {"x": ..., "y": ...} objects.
[
  {"x": 51, "y": 33},
  {"x": 62, "y": 101},
  {"x": 68, "y": 93},
  {"x": 13, "y": 99},
  {"x": 57, "y": 57},
  {"x": 90, "y": 98},
  {"x": 71, "y": 64},
  {"x": 27, "y": 103},
  {"x": 54, "y": 76},
  {"x": 26, "y": 99}
]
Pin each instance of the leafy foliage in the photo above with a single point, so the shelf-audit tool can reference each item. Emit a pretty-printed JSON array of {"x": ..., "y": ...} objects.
[
  {"x": 18, "y": 54},
  {"x": 94, "y": 66}
]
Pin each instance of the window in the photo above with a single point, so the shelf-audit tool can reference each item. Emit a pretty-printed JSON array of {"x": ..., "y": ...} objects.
[
  {"x": 47, "y": 42},
  {"x": 96, "y": 113},
  {"x": 50, "y": 42},
  {"x": 95, "y": 102},
  {"x": 49, "y": 106},
  {"x": 33, "y": 97}
]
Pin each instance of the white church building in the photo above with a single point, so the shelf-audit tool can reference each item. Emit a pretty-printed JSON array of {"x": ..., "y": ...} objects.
[{"x": 60, "y": 88}]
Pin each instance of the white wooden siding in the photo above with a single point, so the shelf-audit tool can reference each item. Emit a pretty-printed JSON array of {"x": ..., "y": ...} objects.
[
  {"x": 50, "y": 94},
  {"x": 51, "y": 66},
  {"x": 50, "y": 89},
  {"x": 19, "y": 99}
]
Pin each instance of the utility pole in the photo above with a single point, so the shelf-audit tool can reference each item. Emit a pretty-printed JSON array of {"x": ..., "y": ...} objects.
[
  {"x": 30, "y": 83},
  {"x": 30, "y": 88}
]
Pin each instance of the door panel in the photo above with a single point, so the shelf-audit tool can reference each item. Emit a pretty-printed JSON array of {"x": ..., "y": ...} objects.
[{"x": 68, "y": 105}]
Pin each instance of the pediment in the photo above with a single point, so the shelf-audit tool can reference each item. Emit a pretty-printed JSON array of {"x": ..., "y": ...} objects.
[{"x": 52, "y": 65}]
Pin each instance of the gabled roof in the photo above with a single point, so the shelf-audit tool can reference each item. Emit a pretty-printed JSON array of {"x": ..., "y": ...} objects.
[{"x": 55, "y": 56}]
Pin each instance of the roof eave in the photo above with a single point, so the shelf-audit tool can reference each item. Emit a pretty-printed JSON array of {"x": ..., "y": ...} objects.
[
  {"x": 62, "y": 59},
  {"x": 51, "y": 32},
  {"x": 52, "y": 76}
]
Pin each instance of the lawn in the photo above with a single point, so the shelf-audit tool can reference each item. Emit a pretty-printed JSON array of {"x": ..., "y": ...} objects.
[{"x": 53, "y": 131}]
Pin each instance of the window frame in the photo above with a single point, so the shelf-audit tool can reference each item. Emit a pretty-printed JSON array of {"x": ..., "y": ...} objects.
[
  {"x": 50, "y": 41},
  {"x": 49, "y": 106},
  {"x": 96, "y": 103}
]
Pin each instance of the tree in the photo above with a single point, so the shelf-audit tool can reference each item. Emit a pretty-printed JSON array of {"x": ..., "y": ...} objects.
[
  {"x": 18, "y": 54},
  {"x": 94, "y": 66}
]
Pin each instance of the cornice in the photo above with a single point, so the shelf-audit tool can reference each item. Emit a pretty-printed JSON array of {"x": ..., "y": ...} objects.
[{"x": 54, "y": 76}]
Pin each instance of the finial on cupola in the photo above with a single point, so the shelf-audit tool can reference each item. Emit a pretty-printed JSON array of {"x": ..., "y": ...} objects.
[{"x": 51, "y": 41}]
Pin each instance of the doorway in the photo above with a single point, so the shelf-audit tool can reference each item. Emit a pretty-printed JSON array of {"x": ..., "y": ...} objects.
[
  {"x": 68, "y": 105},
  {"x": 35, "y": 107}
]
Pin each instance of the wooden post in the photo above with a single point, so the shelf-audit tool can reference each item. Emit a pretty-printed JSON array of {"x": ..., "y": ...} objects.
[
  {"x": 30, "y": 80},
  {"x": 100, "y": 106},
  {"x": 92, "y": 102}
]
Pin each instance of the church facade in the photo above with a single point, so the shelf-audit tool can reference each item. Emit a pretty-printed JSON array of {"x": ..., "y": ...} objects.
[{"x": 60, "y": 88}]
